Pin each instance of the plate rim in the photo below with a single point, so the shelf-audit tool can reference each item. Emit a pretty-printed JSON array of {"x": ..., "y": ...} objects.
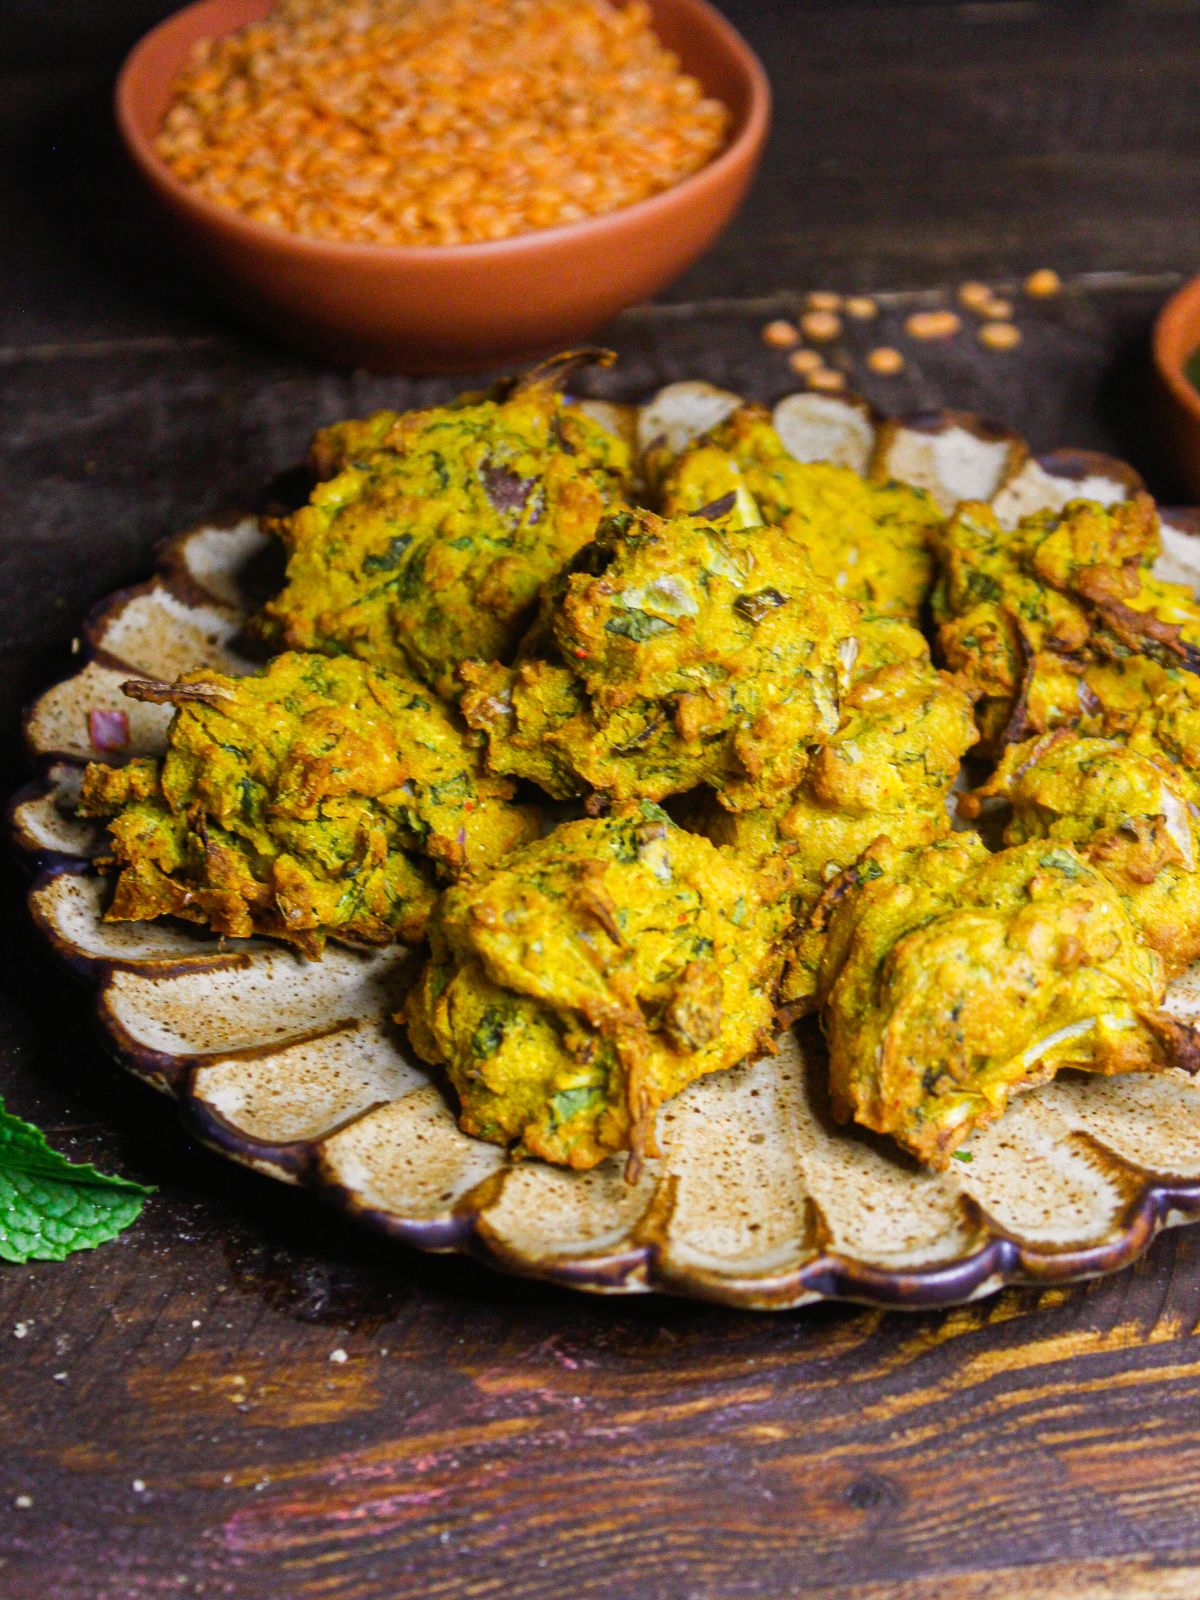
[{"x": 993, "y": 1257}]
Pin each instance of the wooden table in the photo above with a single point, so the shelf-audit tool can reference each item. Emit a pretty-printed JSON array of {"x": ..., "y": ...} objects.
[{"x": 176, "y": 1406}]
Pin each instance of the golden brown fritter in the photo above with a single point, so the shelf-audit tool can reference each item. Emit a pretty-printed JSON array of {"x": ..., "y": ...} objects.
[
  {"x": 1155, "y": 710},
  {"x": 870, "y": 540},
  {"x": 954, "y": 979},
  {"x": 351, "y": 442},
  {"x": 432, "y": 539},
  {"x": 347, "y": 443},
  {"x": 1043, "y": 621},
  {"x": 1127, "y": 814},
  {"x": 319, "y": 799},
  {"x": 682, "y": 652},
  {"x": 592, "y": 976},
  {"x": 888, "y": 769}
]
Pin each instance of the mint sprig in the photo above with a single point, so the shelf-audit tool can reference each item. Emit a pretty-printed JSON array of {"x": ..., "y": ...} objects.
[{"x": 51, "y": 1207}]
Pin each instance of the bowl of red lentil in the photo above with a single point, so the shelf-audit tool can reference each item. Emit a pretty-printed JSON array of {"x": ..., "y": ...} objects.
[{"x": 434, "y": 185}]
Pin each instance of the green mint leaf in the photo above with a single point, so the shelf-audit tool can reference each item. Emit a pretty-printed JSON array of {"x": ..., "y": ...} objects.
[
  {"x": 49, "y": 1206},
  {"x": 962, "y": 1155}
]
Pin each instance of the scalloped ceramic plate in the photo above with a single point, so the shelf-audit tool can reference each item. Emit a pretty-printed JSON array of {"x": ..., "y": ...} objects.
[{"x": 758, "y": 1200}]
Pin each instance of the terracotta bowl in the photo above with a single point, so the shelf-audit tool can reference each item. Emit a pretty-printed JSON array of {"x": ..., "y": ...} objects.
[
  {"x": 1176, "y": 339},
  {"x": 400, "y": 308}
]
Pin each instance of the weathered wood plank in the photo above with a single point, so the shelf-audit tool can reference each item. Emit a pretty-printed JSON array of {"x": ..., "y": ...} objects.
[{"x": 487, "y": 1437}]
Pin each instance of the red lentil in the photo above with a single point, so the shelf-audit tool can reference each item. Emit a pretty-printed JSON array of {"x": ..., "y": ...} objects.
[
  {"x": 1043, "y": 283},
  {"x": 1000, "y": 335},
  {"x": 932, "y": 325},
  {"x": 974, "y": 295},
  {"x": 886, "y": 361},
  {"x": 821, "y": 326},
  {"x": 780, "y": 335},
  {"x": 437, "y": 122}
]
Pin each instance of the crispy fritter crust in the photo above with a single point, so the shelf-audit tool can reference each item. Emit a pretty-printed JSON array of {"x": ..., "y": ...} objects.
[
  {"x": 431, "y": 539},
  {"x": 677, "y": 652},
  {"x": 1129, "y": 817},
  {"x": 1054, "y": 620},
  {"x": 320, "y": 798},
  {"x": 904, "y": 730},
  {"x": 953, "y": 979},
  {"x": 593, "y": 975},
  {"x": 870, "y": 540}
]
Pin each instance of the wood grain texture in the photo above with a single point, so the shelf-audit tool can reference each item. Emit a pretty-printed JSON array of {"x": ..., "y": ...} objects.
[{"x": 485, "y": 1437}]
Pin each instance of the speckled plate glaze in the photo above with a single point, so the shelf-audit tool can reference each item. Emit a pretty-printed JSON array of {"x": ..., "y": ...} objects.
[{"x": 758, "y": 1200}]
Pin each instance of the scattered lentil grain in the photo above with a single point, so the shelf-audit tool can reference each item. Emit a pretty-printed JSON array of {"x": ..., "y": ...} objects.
[
  {"x": 827, "y": 381},
  {"x": 1000, "y": 335},
  {"x": 821, "y": 326},
  {"x": 974, "y": 295},
  {"x": 885, "y": 361},
  {"x": 804, "y": 361},
  {"x": 780, "y": 335},
  {"x": 861, "y": 307},
  {"x": 1043, "y": 283},
  {"x": 998, "y": 310},
  {"x": 823, "y": 300},
  {"x": 932, "y": 325}
]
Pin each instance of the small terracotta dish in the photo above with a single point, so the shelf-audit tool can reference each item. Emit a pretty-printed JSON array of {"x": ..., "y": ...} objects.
[
  {"x": 401, "y": 308},
  {"x": 1176, "y": 341}
]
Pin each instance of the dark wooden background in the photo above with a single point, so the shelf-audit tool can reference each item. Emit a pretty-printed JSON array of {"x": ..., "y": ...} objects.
[{"x": 486, "y": 1437}]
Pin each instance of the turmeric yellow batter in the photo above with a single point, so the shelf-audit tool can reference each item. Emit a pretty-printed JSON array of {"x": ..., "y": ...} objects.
[
  {"x": 870, "y": 540},
  {"x": 1049, "y": 622},
  {"x": 954, "y": 979},
  {"x": 431, "y": 539},
  {"x": 320, "y": 798},
  {"x": 681, "y": 652},
  {"x": 1127, "y": 814},
  {"x": 594, "y": 974}
]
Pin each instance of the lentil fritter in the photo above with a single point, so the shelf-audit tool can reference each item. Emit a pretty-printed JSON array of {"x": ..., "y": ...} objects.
[
  {"x": 1129, "y": 815},
  {"x": 681, "y": 651},
  {"x": 595, "y": 973},
  {"x": 431, "y": 540},
  {"x": 870, "y": 540},
  {"x": 1046, "y": 623},
  {"x": 903, "y": 731},
  {"x": 318, "y": 799},
  {"x": 954, "y": 978}
]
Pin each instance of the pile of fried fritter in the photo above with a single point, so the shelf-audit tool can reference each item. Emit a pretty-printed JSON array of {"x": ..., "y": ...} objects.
[{"x": 661, "y": 748}]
